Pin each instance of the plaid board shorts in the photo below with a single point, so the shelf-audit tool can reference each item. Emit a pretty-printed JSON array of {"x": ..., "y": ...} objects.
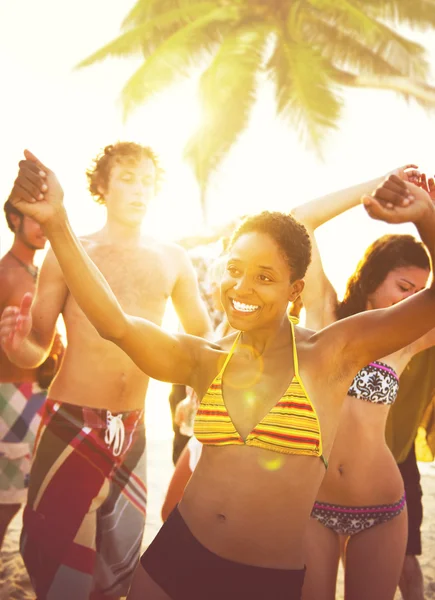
[
  {"x": 20, "y": 415},
  {"x": 85, "y": 515}
]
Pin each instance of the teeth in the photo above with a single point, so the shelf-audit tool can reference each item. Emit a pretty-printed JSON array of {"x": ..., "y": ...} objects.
[{"x": 244, "y": 307}]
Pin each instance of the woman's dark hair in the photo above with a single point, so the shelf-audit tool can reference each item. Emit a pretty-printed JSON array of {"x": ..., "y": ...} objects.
[
  {"x": 98, "y": 175},
  {"x": 385, "y": 254},
  {"x": 290, "y": 235}
]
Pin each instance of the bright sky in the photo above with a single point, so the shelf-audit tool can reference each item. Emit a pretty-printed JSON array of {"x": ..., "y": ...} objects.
[{"x": 66, "y": 116}]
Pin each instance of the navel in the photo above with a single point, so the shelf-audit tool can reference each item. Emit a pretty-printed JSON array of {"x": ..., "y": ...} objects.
[{"x": 221, "y": 518}]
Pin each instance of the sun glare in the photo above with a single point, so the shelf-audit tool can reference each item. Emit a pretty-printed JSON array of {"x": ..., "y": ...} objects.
[{"x": 65, "y": 116}]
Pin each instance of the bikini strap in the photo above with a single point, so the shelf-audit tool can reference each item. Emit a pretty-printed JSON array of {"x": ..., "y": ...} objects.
[
  {"x": 231, "y": 352},
  {"x": 295, "y": 354}
]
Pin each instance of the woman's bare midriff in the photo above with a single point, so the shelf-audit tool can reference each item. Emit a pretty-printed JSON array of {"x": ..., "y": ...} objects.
[
  {"x": 251, "y": 505},
  {"x": 362, "y": 471}
]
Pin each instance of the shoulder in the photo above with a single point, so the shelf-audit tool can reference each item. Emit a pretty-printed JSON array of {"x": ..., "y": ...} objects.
[
  {"x": 90, "y": 240},
  {"x": 225, "y": 343},
  {"x": 304, "y": 334}
]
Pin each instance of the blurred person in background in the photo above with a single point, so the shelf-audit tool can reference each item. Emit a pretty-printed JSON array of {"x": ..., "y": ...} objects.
[
  {"x": 411, "y": 415},
  {"x": 22, "y": 390}
]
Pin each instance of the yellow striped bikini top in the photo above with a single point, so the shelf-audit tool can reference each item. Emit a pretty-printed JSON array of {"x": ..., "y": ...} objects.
[{"x": 290, "y": 427}]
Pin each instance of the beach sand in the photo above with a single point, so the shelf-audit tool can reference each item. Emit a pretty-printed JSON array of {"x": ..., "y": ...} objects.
[{"x": 14, "y": 583}]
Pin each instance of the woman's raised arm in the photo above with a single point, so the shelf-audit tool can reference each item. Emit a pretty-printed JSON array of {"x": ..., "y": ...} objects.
[
  {"x": 375, "y": 334},
  {"x": 319, "y": 296}
]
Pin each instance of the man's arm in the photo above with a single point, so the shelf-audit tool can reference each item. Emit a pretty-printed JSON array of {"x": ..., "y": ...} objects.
[
  {"x": 187, "y": 301},
  {"x": 30, "y": 343}
]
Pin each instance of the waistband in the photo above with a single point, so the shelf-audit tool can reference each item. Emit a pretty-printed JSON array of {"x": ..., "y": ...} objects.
[
  {"x": 374, "y": 508},
  {"x": 95, "y": 418}
]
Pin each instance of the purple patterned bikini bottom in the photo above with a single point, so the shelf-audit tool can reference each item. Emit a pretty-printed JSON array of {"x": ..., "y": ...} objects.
[{"x": 346, "y": 520}]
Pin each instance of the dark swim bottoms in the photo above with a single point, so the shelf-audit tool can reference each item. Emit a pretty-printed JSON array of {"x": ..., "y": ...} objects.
[{"x": 186, "y": 570}]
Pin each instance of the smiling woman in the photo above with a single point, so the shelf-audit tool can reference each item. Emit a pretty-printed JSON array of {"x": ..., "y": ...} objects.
[
  {"x": 254, "y": 278},
  {"x": 277, "y": 388}
]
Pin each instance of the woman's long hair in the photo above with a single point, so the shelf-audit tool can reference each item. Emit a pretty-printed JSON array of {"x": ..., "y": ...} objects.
[{"x": 385, "y": 254}]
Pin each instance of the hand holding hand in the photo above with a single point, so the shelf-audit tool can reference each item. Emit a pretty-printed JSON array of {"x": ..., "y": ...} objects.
[
  {"x": 397, "y": 201},
  {"x": 37, "y": 192},
  {"x": 15, "y": 325}
]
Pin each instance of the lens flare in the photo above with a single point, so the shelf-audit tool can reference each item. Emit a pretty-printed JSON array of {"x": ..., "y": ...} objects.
[
  {"x": 247, "y": 377},
  {"x": 272, "y": 463},
  {"x": 249, "y": 398}
]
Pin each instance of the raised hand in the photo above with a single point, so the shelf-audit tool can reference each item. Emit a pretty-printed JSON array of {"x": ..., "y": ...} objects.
[
  {"x": 37, "y": 192},
  {"x": 428, "y": 185},
  {"x": 398, "y": 201},
  {"x": 15, "y": 325},
  {"x": 408, "y": 172}
]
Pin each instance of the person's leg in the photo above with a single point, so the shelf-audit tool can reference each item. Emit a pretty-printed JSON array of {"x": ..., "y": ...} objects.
[
  {"x": 121, "y": 518},
  {"x": 374, "y": 560},
  {"x": 7, "y": 513},
  {"x": 411, "y": 581},
  {"x": 144, "y": 587},
  {"x": 19, "y": 417},
  {"x": 68, "y": 483},
  {"x": 322, "y": 555}
]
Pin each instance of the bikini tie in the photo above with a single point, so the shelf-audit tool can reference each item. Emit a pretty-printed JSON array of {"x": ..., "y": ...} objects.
[{"x": 115, "y": 433}]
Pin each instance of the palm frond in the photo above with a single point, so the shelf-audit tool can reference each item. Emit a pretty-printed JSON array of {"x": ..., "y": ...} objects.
[
  {"x": 404, "y": 54},
  {"x": 227, "y": 91},
  {"x": 419, "y": 91},
  {"x": 133, "y": 41},
  {"x": 418, "y": 14},
  {"x": 344, "y": 50},
  {"x": 147, "y": 9},
  {"x": 304, "y": 91},
  {"x": 174, "y": 58}
]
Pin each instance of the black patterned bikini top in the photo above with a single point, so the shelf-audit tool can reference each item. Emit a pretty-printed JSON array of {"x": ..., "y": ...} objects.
[{"x": 377, "y": 383}]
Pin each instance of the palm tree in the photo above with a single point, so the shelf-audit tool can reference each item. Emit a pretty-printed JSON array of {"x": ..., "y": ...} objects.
[{"x": 311, "y": 49}]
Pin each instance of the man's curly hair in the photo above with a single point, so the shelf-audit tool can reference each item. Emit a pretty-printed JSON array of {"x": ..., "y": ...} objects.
[
  {"x": 98, "y": 174},
  {"x": 291, "y": 237}
]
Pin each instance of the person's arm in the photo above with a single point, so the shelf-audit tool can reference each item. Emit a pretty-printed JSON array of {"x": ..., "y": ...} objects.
[
  {"x": 27, "y": 332},
  {"x": 319, "y": 296},
  {"x": 187, "y": 301},
  {"x": 179, "y": 480},
  {"x": 377, "y": 333},
  {"x": 171, "y": 358}
]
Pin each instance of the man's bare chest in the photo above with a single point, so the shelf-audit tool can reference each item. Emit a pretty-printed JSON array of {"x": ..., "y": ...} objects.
[{"x": 141, "y": 279}]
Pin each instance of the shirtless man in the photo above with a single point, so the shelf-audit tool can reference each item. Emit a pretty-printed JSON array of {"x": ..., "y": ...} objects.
[
  {"x": 83, "y": 524},
  {"x": 22, "y": 391}
]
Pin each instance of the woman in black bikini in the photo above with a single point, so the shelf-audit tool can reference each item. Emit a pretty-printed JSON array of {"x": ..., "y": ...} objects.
[{"x": 238, "y": 531}]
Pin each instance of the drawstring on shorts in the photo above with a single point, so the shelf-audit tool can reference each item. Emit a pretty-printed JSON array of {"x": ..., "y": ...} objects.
[{"x": 115, "y": 433}]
